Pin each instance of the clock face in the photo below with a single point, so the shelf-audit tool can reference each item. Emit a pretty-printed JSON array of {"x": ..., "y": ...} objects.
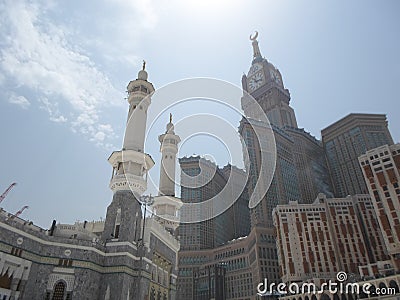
[
  {"x": 256, "y": 81},
  {"x": 275, "y": 76},
  {"x": 254, "y": 68}
]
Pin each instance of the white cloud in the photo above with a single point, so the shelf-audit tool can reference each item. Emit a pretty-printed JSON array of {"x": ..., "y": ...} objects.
[
  {"x": 21, "y": 101},
  {"x": 38, "y": 54},
  {"x": 52, "y": 109}
]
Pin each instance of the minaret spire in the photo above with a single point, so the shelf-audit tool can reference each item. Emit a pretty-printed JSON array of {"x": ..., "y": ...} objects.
[
  {"x": 256, "y": 49},
  {"x": 168, "y": 148},
  {"x": 126, "y": 162},
  {"x": 130, "y": 167},
  {"x": 166, "y": 206}
]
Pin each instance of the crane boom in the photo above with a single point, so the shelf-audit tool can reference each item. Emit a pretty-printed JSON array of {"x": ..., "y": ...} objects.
[
  {"x": 21, "y": 210},
  {"x": 7, "y": 190}
]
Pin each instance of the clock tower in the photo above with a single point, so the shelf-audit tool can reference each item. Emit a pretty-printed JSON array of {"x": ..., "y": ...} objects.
[{"x": 264, "y": 82}]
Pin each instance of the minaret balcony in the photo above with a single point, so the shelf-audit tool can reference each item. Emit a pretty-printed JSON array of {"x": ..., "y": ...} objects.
[
  {"x": 128, "y": 182},
  {"x": 137, "y": 97},
  {"x": 133, "y": 156}
]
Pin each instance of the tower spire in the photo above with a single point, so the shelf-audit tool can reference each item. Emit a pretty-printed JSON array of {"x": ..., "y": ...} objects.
[
  {"x": 126, "y": 162},
  {"x": 256, "y": 49},
  {"x": 168, "y": 147},
  {"x": 130, "y": 167}
]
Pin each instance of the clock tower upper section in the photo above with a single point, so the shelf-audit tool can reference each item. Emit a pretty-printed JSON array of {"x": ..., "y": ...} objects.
[{"x": 264, "y": 82}]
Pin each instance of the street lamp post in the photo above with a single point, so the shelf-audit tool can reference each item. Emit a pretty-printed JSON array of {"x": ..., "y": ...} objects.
[{"x": 145, "y": 200}]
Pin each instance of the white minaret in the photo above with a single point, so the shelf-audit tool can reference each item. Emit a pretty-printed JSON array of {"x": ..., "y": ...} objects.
[
  {"x": 131, "y": 164},
  {"x": 168, "y": 148},
  {"x": 166, "y": 206}
]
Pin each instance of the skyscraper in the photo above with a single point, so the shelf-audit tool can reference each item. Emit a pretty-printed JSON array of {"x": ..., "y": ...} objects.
[
  {"x": 200, "y": 240},
  {"x": 344, "y": 141},
  {"x": 301, "y": 171},
  {"x": 312, "y": 170},
  {"x": 264, "y": 83},
  {"x": 240, "y": 212},
  {"x": 201, "y": 180}
]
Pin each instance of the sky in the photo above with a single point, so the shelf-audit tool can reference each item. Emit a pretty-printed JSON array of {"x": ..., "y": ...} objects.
[{"x": 65, "y": 65}]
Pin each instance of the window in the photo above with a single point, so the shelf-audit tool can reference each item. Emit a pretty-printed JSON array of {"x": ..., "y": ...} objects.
[
  {"x": 47, "y": 296},
  {"x": 59, "y": 290},
  {"x": 5, "y": 281},
  {"x": 16, "y": 252},
  {"x": 65, "y": 262},
  {"x": 116, "y": 233}
]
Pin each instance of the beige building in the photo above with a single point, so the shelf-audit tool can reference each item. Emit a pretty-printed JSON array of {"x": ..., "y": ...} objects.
[
  {"x": 247, "y": 261},
  {"x": 316, "y": 241},
  {"x": 381, "y": 169}
]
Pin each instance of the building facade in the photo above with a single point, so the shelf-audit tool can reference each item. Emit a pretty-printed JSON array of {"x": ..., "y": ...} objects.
[
  {"x": 312, "y": 170},
  {"x": 316, "y": 241},
  {"x": 246, "y": 261},
  {"x": 381, "y": 170},
  {"x": 344, "y": 141},
  {"x": 201, "y": 180}
]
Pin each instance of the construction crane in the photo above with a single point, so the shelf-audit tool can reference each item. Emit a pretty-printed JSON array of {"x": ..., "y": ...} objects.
[
  {"x": 6, "y": 191},
  {"x": 21, "y": 210}
]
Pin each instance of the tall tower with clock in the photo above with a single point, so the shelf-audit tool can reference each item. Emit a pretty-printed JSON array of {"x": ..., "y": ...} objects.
[
  {"x": 264, "y": 83},
  {"x": 301, "y": 171}
]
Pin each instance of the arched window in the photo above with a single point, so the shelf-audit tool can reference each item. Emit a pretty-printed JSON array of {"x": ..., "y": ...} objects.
[
  {"x": 59, "y": 291},
  {"x": 382, "y": 285},
  {"x": 393, "y": 284},
  {"x": 336, "y": 297},
  {"x": 5, "y": 281},
  {"x": 325, "y": 297},
  {"x": 350, "y": 297},
  {"x": 372, "y": 289},
  {"x": 362, "y": 294}
]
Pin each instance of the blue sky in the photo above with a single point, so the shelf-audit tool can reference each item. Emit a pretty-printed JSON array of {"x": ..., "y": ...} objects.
[{"x": 64, "y": 67}]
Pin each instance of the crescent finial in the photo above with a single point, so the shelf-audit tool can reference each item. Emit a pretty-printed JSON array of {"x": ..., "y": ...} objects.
[{"x": 253, "y": 38}]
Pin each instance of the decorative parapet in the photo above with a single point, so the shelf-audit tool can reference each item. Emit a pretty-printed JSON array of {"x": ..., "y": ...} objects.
[
  {"x": 126, "y": 182},
  {"x": 155, "y": 228}
]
